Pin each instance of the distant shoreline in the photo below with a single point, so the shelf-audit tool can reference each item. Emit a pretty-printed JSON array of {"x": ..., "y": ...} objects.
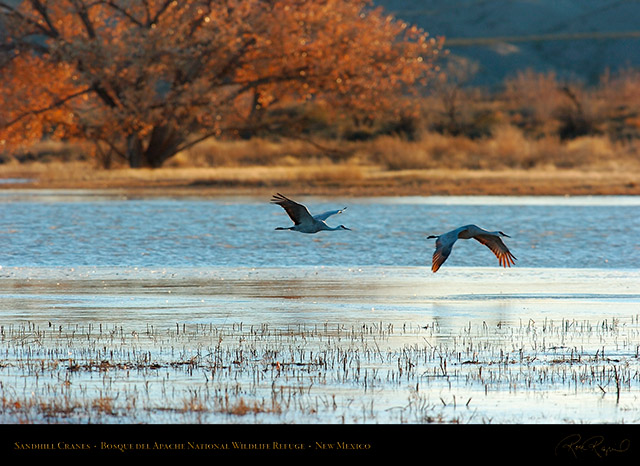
[{"x": 352, "y": 181}]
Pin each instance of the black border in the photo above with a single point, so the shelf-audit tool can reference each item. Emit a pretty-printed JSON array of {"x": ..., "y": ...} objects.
[{"x": 569, "y": 443}]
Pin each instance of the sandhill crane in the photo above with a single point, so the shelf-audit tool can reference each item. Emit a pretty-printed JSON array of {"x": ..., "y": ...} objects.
[
  {"x": 491, "y": 239},
  {"x": 302, "y": 219}
]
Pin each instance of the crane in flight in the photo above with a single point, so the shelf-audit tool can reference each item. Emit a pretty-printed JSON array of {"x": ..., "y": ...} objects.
[
  {"x": 491, "y": 239},
  {"x": 303, "y": 221}
]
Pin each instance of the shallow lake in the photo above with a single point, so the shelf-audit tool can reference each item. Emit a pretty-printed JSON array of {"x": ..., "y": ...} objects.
[
  {"x": 73, "y": 229},
  {"x": 196, "y": 310}
]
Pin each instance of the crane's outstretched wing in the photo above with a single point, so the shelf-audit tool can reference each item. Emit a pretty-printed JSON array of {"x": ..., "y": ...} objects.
[
  {"x": 297, "y": 212},
  {"x": 444, "y": 245},
  {"x": 326, "y": 215},
  {"x": 498, "y": 247}
]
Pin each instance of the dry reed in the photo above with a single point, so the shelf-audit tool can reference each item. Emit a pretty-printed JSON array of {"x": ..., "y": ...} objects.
[{"x": 327, "y": 372}]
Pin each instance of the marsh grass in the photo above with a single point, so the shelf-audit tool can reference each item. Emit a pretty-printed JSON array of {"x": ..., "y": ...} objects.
[
  {"x": 367, "y": 163},
  {"x": 369, "y": 372},
  {"x": 507, "y": 163},
  {"x": 533, "y": 122},
  {"x": 507, "y": 148}
]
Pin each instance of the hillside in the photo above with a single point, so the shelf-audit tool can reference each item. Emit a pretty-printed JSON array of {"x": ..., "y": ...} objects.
[{"x": 575, "y": 38}]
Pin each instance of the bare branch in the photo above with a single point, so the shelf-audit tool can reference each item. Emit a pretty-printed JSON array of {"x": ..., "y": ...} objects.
[
  {"x": 56, "y": 104},
  {"x": 125, "y": 13},
  {"x": 161, "y": 11},
  {"x": 42, "y": 10},
  {"x": 83, "y": 14}
]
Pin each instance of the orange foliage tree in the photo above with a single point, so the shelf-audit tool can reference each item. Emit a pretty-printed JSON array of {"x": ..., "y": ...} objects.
[{"x": 145, "y": 79}]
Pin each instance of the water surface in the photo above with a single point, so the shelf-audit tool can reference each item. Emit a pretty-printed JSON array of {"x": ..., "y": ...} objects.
[
  {"x": 73, "y": 229},
  {"x": 181, "y": 310}
]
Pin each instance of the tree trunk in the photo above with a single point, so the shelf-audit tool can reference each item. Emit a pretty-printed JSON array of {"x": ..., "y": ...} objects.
[
  {"x": 134, "y": 151},
  {"x": 163, "y": 144}
]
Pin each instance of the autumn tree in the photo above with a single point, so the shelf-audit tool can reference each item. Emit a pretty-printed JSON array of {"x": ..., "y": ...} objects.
[{"x": 145, "y": 79}]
